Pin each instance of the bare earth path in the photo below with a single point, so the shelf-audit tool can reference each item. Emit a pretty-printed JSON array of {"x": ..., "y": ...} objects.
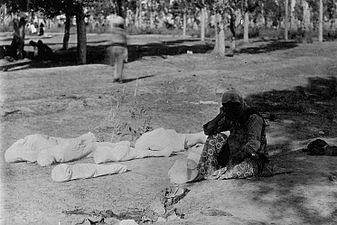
[{"x": 69, "y": 101}]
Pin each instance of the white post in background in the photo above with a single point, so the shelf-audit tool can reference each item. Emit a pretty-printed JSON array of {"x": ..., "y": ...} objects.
[
  {"x": 246, "y": 24},
  {"x": 320, "y": 25},
  {"x": 202, "y": 35},
  {"x": 184, "y": 23},
  {"x": 286, "y": 19}
]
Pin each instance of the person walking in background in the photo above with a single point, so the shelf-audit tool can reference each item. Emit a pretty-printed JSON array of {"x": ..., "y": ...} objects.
[{"x": 117, "y": 52}]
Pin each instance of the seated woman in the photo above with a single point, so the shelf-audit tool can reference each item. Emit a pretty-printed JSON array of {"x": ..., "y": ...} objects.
[{"x": 243, "y": 153}]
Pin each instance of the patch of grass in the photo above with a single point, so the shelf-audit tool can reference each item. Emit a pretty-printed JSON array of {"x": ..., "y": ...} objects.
[
  {"x": 133, "y": 30},
  {"x": 124, "y": 121}
]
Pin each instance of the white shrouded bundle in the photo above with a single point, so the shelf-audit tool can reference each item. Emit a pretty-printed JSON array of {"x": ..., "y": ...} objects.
[
  {"x": 185, "y": 169},
  {"x": 111, "y": 152},
  {"x": 46, "y": 150},
  {"x": 65, "y": 172},
  {"x": 121, "y": 151},
  {"x": 28, "y": 148},
  {"x": 69, "y": 150},
  {"x": 161, "y": 138}
]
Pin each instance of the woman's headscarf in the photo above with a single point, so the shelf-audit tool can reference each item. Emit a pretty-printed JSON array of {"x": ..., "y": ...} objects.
[{"x": 234, "y": 96}]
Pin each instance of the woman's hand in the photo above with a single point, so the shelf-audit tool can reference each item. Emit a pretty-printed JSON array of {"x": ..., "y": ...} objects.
[
  {"x": 222, "y": 110},
  {"x": 210, "y": 128}
]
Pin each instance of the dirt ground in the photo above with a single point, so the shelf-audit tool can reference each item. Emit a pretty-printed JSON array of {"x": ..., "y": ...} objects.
[{"x": 293, "y": 85}]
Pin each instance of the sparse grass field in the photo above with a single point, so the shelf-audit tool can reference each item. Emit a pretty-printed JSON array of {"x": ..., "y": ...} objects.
[{"x": 294, "y": 85}]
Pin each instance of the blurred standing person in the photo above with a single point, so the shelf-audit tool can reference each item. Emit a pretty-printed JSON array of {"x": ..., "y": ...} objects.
[
  {"x": 41, "y": 32},
  {"x": 117, "y": 52}
]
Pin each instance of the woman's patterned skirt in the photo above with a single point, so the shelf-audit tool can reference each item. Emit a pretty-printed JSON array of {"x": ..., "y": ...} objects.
[{"x": 210, "y": 168}]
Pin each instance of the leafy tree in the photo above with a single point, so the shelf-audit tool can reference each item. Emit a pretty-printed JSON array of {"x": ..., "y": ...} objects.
[
  {"x": 16, "y": 48},
  {"x": 330, "y": 11},
  {"x": 51, "y": 8},
  {"x": 226, "y": 12},
  {"x": 70, "y": 8},
  {"x": 181, "y": 8},
  {"x": 247, "y": 7},
  {"x": 320, "y": 9}
]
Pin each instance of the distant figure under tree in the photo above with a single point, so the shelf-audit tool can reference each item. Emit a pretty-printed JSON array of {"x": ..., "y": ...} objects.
[
  {"x": 41, "y": 31},
  {"x": 44, "y": 52}
]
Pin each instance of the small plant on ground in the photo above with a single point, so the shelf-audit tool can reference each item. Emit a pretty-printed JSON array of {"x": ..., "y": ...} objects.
[
  {"x": 124, "y": 121},
  {"x": 140, "y": 120},
  {"x": 111, "y": 123}
]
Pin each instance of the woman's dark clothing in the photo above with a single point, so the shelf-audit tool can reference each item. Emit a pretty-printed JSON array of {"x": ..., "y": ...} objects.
[{"x": 242, "y": 153}]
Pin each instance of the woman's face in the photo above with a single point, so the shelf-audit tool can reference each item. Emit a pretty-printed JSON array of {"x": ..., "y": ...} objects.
[{"x": 233, "y": 110}]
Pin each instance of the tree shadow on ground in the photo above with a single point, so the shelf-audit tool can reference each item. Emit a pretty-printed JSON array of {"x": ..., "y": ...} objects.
[
  {"x": 269, "y": 47},
  {"x": 305, "y": 195},
  {"x": 96, "y": 53},
  {"x": 312, "y": 112},
  {"x": 163, "y": 49},
  {"x": 127, "y": 80},
  {"x": 309, "y": 110}
]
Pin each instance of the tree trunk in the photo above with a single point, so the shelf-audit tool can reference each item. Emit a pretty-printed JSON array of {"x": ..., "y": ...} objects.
[
  {"x": 184, "y": 23},
  {"x": 202, "y": 34},
  {"x": 3, "y": 8},
  {"x": 219, "y": 47},
  {"x": 286, "y": 19},
  {"x": 151, "y": 18},
  {"x": 120, "y": 8},
  {"x": 216, "y": 44},
  {"x": 332, "y": 24},
  {"x": 22, "y": 25},
  {"x": 293, "y": 24},
  {"x": 306, "y": 22},
  {"x": 66, "y": 32},
  {"x": 246, "y": 28},
  {"x": 232, "y": 27},
  {"x": 18, "y": 41},
  {"x": 137, "y": 17},
  {"x": 320, "y": 27},
  {"x": 81, "y": 38},
  {"x": 140, "y": 21},
  {"x": 263, "y": 14}
]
